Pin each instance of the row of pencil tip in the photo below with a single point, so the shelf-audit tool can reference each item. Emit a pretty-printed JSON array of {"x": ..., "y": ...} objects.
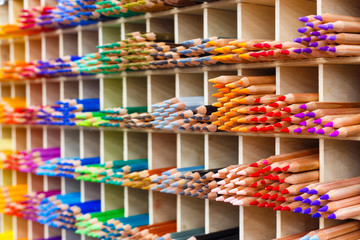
[
  {"x": 250, "y": 104},
  {"x": 78, "y": 13},
  {"x": 287, "y": 182}
]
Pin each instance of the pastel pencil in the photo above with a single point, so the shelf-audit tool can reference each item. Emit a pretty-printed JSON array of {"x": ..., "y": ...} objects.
[
  {"x": 311, "y": 106},
  {"x": 299, "y": 97},
  {"x": 348, "y": 236},
  {"x": 345, "y": 213},
  {"x": 318, "y": 113},
  {"x": 344, "y": 121},
  {"x": 339, "y": 204},
  {"x": 328, "y": 17},
  {"x": 336, "y": 231},
  {"x": 267, "y": 99},
  {"x": 344, "y": 38},
  {"x": 302, "y": 177},
  {"x": 302, "y": 164},
  {"x": 257, "y": 89},
  {"x": 292, "y": 237},
  {"x": 291, "y": 155},
  {"x": 346, "y": 131},
  {"x": 329, "y": 118},
  {"x": 255, "y": 80},
  {"x": 225, "y": 79},
  {"x": 325, "y": 187},
  {"x": 294, "y": 189},
  {"x": 341, "y": 26},
  {"x": 342, "y": 192}
]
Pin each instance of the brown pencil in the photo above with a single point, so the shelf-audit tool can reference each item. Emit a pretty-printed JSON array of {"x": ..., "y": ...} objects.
[
  {"x": 346, "y": 213},
  {"x": 323, "y": 188},
  {"x": 328, "y": 17},
  {"x": 340, "y": 111},
  {"x": 292, "y": 237},
  {"x": 291, "y": 155},
  {"x": 344, "y": 121},
  {"x": 298, "y": 97},
  {"x": 346, "y": 131},
  {"x": 339, "y": 204},
  {"x": 302, "y": 177},
  {"x": 256, "y": 80},
  {"x": 225, "y": 79},
  {"x": 257, "y": 89},
  {"x": 348, "y": 236},
  {"x": 343, "y": 192}
]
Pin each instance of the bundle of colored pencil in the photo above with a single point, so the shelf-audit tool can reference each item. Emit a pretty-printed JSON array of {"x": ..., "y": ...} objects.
[
  {"x": 244, "y": 103},
  {"x": 112, "y": 172},
  {"x": 60, "y": 210},
  {"x": 7, "y": 235},
  {"x": 17, "y": 70},
  {"x": 113, "y": 224},
  {"x": 183, "y": 234},
  {"x": 343, "y": 231},
  {"x": 28, "y": 208},
  {"x": 116, "y": 8},
  {"x": 184, "y": 113},
  {"x": 228, "y": 234},
  {"x": 52, "y": 238},
  {"x": 246, "y": 51},
  {"x": 133, "y": 53},
  {"x": 65, "y": 14},
  {"x": 273, "y": 182},
  {"x": 13, "y": 110},
  {"x": 62, "y": 66},
  {"x": 12, "y": 194},
  {"x": 64, "y": 114},
  {"x": 334, "y": 119},
  {"x": 188, "y": 181},
  {"x": 338, "y": 199},
  {"x": 129, "y": 117},
  {"x": 330, "y": 35},
  {"x": 28, "y": 161},
  {"x": 84, "y": 221},
  {"x": 64, "y": 167}
]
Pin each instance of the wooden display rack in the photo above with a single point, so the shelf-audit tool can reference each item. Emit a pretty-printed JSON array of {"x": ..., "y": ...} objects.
[{"x": 334, "y": 79}]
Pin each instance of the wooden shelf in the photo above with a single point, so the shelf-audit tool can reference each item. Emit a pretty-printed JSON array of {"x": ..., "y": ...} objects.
[
  {"x": 335, "y": 79},
  {"x": 110, "y": 129},
  {"x": 193, "y": 70}
]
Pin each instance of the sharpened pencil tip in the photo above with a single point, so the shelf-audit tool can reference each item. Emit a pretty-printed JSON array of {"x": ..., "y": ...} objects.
[
  {"x": 323, "y": 209},
  {"x": 297, "y": 210},
  {"x": 310, "y": 114},
  {"x": 324, "y": 197},
  {"x": 303, "y": 123},
  {"x": 324, "y": 48},
  {"x": 297, "y": 130},
  {"x": 315, "y": 203},
  {"x": 303, "y": 19},
  {"x": 311, "y": 130},
  {"x": 334, "y": 134},
  {"x": 286, "y": 208},
  {"x": 312, "y": 191},
  {"x": 323, "y": 26},
  {"x": 298, "y": 198},
  {"x": 304, "y": 238},
  {"x": 320, "y": 131},
  {"x": 316, "y": 215},
  {"x": 306, "y": 211}
]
